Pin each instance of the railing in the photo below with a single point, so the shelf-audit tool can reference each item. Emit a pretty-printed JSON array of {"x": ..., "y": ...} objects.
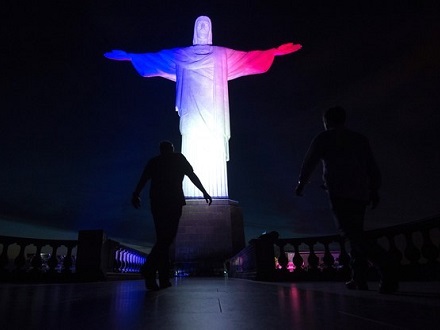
[
  {"x": 125, "y": 260},
  {"x": 26, "y": 258},
  {"x": 91, "y": 257},
  {"x": 269, "y": 258},
  {"x": 95, "y": 257}
]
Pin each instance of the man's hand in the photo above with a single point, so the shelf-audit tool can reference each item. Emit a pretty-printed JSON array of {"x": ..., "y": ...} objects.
[
  {"x": 207, "y": 198},
  {"x": 136, "y": 201},
  {"x": 299, "y": 189},
  {"x": 374, "y": 199},
  {"x": 118, "y": 55},
  {"x": 287, "y": 49}
]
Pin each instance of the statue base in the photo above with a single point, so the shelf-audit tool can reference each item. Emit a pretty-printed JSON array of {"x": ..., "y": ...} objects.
[{"x": 207, "y": 236}]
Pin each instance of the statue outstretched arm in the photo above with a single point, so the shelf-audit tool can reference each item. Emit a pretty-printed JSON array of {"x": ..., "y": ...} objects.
[
  {"x": 118, "y": 55},
  {"x": 287, "y": 48},
  {"x": 159, "y": 64},
  {"x": 242, "y": 63}
]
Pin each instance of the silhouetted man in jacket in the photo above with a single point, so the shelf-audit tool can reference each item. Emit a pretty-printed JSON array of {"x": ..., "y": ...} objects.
[
  {"x": 166, "y": 173},
  {"x": 352, "y": 179}
]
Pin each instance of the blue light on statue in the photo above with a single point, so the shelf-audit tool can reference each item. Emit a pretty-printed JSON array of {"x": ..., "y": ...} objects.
[{"x": 201, "y": 73}]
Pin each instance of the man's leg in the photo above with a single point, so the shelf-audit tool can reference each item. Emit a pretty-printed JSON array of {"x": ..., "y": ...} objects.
[
  {"x": 149, "y": 268},
  {"x": 349, "y": 215},
  {"x": 166, "y": 223},
  {"x": 387, "y": 265}
]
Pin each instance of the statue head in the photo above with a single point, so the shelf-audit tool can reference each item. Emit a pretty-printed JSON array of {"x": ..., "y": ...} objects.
[{"x": 202, "y": 31}]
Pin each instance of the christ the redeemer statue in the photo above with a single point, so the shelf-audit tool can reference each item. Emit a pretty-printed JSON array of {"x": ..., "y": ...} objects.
[{"x": 201, "y": 73}]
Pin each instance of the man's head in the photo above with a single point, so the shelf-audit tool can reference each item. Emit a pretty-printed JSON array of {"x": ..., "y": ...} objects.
[
  {"x": 166, "y": 147},
  {"x": 334, "y": 117}
]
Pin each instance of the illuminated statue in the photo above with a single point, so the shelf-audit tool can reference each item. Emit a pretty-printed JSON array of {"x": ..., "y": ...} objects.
[{"x": 201, "y": 73}]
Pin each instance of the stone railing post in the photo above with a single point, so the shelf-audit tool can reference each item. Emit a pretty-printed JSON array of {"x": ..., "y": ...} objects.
[
  {"x": 92, "y": 255},
  {"x": 265, "y": 258}
]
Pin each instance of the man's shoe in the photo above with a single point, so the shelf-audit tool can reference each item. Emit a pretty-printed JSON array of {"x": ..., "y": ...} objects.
[
  {"x": 389, "y": 282},
  {"x": 144, "y": 271},
  {"x": 151, "y": 284},
  {"x": 388, "y": 286},
  {"x": 353, "y": 285}
]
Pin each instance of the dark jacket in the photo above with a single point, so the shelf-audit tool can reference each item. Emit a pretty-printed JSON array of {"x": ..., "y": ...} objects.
[
  {"x": 166, "y": 172},
  {"x": 349, "y": 168}
]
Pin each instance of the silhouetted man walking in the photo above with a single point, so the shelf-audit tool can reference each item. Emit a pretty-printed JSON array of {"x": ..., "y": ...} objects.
[
  {"x": 352, "y": 179},
  {"x": 166, "y": 173}
]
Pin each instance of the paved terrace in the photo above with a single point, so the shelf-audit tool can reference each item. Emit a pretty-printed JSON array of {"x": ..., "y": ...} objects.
[{"x": 217, "y": 303}]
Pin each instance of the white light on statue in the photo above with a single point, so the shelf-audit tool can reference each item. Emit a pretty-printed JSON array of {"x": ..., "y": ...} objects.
[{"x": 201, "y": 73}]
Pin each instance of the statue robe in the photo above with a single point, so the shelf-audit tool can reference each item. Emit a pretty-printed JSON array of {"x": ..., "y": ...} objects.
[{"x": 201, "y": 73}]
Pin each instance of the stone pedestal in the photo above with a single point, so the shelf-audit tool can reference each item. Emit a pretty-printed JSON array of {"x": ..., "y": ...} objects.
[{"x": 207, "y": 236}]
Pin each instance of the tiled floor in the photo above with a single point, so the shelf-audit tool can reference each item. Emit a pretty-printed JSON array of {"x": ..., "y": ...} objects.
[{"x": 217, "y": 303}]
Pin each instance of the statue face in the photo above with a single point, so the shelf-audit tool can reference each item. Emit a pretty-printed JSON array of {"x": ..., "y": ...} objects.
[{"x": 202, "y": 30}]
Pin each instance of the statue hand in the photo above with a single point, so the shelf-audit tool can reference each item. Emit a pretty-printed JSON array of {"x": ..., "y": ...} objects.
[
  {"x": 118, "y": 55},
  {"x": 287, "y": 49}
]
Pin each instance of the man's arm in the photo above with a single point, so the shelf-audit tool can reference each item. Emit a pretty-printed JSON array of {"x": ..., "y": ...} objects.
[
  {"x": 135, "y": 199},
  {"x": 375, "y": 178},
  {"x": 309, "y": 164},
  {"x": 195, "y": 179}
]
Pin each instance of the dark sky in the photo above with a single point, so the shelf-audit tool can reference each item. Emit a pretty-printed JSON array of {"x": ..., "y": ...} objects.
[{"x": 77, "y": 129}]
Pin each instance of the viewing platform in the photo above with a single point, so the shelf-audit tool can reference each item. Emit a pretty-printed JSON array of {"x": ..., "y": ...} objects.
[
  {"x": 217, "y": 303},
  {"x": 273, "y": 283}
]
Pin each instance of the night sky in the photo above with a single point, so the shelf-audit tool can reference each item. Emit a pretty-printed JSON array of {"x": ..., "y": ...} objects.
[{"x": 77, "y": 128}]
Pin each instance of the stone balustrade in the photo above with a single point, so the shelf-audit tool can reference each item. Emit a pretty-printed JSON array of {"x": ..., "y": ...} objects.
[
  {"x": 126, "y": 260},
  {"x": 25, "y": 258},
  {"x": 270, "y": 258},
  {"x": 91, "y": 257}
]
